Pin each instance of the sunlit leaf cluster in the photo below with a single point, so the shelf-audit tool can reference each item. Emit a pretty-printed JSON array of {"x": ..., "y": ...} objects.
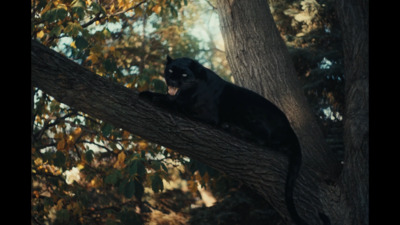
[{"x": 84, "y": 170}]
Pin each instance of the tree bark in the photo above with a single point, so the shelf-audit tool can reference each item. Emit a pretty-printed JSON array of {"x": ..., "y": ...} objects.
[
  {"x": 353, "y": 17},
  {"x": 260, "y": 61},
  {"x": 262, "y": 169}
]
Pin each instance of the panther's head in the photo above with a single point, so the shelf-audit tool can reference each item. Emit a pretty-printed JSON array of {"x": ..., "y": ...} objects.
[{"x": 182, "y": 74}]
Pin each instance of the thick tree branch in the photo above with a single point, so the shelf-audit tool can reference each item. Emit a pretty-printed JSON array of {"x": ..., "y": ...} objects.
[{"x": 263, "y": 170}]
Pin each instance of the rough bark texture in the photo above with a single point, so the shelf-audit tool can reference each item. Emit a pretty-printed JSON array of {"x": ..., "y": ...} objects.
[
  {"x": 260, "y": 61},
  {"x": 261, "y": 169},
  {"x": 353, "y": 16}
]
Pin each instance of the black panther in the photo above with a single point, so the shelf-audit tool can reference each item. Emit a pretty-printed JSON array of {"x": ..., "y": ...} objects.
[{"x": 202, "y": 95}]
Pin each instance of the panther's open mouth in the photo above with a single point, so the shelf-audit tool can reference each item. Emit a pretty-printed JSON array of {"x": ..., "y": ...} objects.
[{"x": 172, "y": 90}]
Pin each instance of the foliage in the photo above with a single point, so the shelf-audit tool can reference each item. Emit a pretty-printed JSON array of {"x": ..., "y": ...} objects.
[
  {"x": 87, "y": 171},
  {"x": 239, "y": 207}
]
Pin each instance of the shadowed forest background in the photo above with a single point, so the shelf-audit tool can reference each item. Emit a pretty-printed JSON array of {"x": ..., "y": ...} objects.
[{"x": 86, "y": 171}]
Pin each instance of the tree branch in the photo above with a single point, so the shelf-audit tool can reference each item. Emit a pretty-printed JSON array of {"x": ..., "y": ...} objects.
[
  {"x": 98, "y": 17},
  {"x": 261, "y": 169}
]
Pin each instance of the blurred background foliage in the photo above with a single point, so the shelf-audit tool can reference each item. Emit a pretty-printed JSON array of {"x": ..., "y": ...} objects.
[{"x": 86, "y": 171}]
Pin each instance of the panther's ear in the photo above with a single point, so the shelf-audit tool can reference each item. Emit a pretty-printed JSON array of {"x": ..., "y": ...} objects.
[
  {"x": 198, "y": 70},
  {"x": 169, "y": 59}
]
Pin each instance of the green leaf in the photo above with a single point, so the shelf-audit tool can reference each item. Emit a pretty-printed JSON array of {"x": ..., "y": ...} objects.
[
  {"x": 155, "y": 164},
  {"x": 73, "y": 29},
  {"x": 89, "y": 155},
  {"x": 139, "y": 189},
  {"x": 62, "y": 217},
  {"x": 78, "y": 3},
  {"x": 122, "y": 185},
  {"x": 110, "y": 65},
  {"x": 137, "y": 167},
  {"x": 80, "y": 42},
  {"x": 106, "y": 129},
  {"x": 55, "y": 14},
  {"x": 129, "y": 189},
  {"x": 78, "y": 7},
  {"x": 130, "y": 217},
  {"x": 113, "y": 177},
  {"x": 61, "y": 13},
  {"x": 164, "y": 167},
  {"x": 173, "y": 12},
  {"x": 56, "y": 31},
  {"x": 96, "y": 8},
  {"x": 59, "y": 161},
  {"x": 50, "y": 15},
  {"x": 156, "y": 183}
]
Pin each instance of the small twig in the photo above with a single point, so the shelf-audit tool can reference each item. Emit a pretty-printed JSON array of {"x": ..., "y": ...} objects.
[
  {"x": 39, "y": 134},
  {"x": 212, "y": 6},
  {"x": 98, "y": 17}
]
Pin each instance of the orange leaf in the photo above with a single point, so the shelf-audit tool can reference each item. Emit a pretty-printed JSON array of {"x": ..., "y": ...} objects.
[
  {"x": 156, "y": 9},
  {"x": 119, "y": 164},
  {"x": 61, "y": 144}
]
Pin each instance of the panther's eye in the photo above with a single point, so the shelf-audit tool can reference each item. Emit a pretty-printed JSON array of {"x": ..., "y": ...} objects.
[
  {"x": 170, "y": 71},
  {"x": 184, "y": 75}
]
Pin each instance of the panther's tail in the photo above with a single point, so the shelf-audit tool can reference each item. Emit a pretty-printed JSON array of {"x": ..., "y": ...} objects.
[{"x": 295, "y": 157}]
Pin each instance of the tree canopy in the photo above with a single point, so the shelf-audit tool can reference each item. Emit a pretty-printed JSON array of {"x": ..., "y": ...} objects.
[{"x": 85, "y": 170}]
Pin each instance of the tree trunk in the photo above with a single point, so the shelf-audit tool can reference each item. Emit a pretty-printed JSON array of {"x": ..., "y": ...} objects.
[
  {"x": 353, "y": 16},
  {"x": 260, "y": 61}
]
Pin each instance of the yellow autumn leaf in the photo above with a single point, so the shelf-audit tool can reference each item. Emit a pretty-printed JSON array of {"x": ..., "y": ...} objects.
[
  {"x": 48, "y": 6},
  {"x": 40, "y": 34},
  {"x": 59, "y": 204},
  {"x": 192, "y": 186},
  {"x": 62, "y": 6},
  {"x": 156, "y": 9},
  {"x": 38, "y": 161},
  {"x": 81, "y": 165},
  {"x": 93, "y": 58},
  {"x": 119, "y": 164},
  {"x": 125, "y": 138},
  {"x": 76, "y": 134},
  {"x": 73, "y": 44},
  {"x": 77, "y": 131},
  {"x": 95, "y": 182},
  {"x": 142, "y": 145}
]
